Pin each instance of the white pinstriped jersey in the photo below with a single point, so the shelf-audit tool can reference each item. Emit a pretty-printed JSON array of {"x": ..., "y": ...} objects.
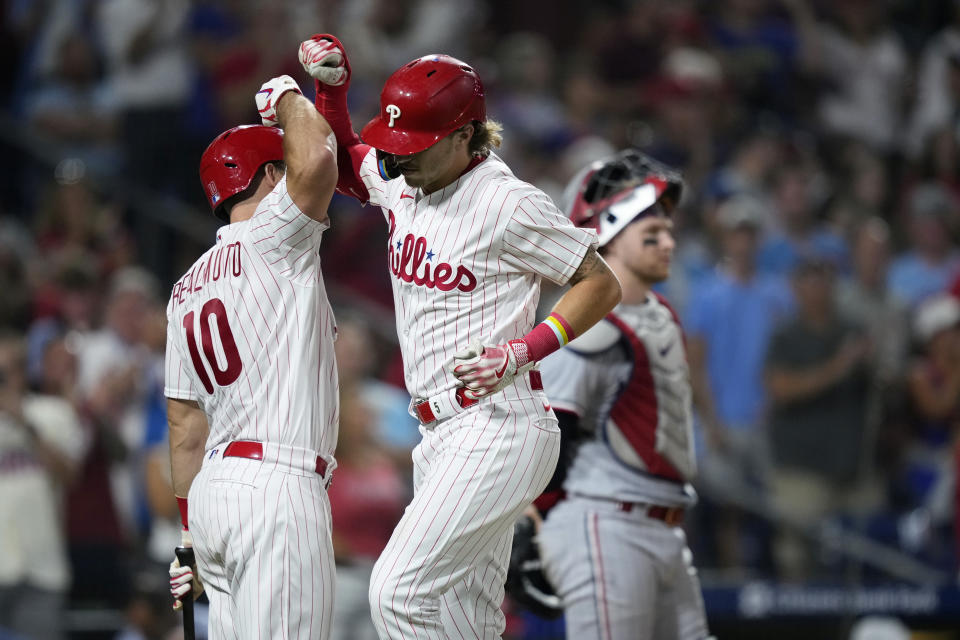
[
  {"x": 250, "y": 332},
  {"x": 466, "y": 263}
]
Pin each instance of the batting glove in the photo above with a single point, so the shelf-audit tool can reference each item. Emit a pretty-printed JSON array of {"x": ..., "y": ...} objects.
[
  {"x": 487, "y": 369},
  {"x": 269, "y": 96},
  {"x": 182, "y": 579},
  {"x": 324, "y": 60}
]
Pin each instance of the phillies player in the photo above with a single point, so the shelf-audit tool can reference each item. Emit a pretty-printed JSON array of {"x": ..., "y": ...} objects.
[
  {"x": 468, "y": 246},
  {"x": 613, "y": 547},
  {"x": 251, "y": 382}
]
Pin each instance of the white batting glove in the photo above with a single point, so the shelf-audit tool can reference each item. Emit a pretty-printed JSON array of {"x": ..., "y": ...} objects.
[
  {"x": 182, "y": 579},
  {"x": 485, "y": 369},
  {"x": 270, "y": 94},
  {"x": 324, "y": 61}
]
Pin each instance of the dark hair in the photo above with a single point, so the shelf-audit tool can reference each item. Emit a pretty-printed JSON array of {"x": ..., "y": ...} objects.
[{"x": 223, "y": 211}]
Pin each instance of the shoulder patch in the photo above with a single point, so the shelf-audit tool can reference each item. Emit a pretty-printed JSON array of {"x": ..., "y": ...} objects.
[{"x": 597, "y": 338}]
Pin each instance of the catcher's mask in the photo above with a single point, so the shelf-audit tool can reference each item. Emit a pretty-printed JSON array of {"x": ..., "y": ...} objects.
[{"x": 611, "y": 193}]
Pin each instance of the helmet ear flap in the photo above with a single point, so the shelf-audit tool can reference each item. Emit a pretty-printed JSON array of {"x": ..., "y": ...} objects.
[{"x": 387, "y": 165}]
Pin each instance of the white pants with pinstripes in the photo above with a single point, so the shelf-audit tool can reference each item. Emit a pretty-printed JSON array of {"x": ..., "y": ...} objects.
[
  {"x": 442, "y": 572},
  {"x": 622, "y": 576},
  {"x": 261, "y": 534}
]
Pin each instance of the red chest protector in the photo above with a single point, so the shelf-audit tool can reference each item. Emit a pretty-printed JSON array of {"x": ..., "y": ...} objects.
[{"x": 635, "y": 414}]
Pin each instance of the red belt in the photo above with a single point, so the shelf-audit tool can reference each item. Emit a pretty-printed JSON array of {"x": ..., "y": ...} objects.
[
  {"x": 427, "y": 415},
  {"x": 254, "y": 451},
  {"x": 673, "y": 516}
]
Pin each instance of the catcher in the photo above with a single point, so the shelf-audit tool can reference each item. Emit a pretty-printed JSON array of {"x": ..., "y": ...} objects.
[{"x": 612, "y": 546}]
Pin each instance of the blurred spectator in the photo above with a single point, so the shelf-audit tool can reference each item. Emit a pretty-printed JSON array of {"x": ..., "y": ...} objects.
[
  {"x": 158, "y": 515},
  {"x": 114, "y": 374},
  {"x": 862, "y": 66},
  {"x": 863, "y": 191},
  {"x": 796, "y": 231},
  {"x": 16, "y": 249},
  {"x": 865, "y": 299},
  {"x": 358, "y": 358},
  {"x": 74, "y": 224},
  {"x": 149, "y": 72},
  {"x": 67, "y": 309},
  {"x": 817, "y": 376},
  {"x": 938, "y": 88},
  {"x": 526, "y": 103},
  {"x": 40, "y": 446},
  {"x": 758, "y": 51},
  {"x": 932, "y": 259},
  {"x": 116, "y": 370},
  {"x": 76, "y": 109},
  {"x": 366, "y": 501},
  {"x": 749, "y": 171},
  {"x": 730, "y": 317},
  {"x": 933, "y": 386},
  {"x": 686, "y": 102},
  {"x": 238, "y": 48},
  {"x": 380, "y": 32}
]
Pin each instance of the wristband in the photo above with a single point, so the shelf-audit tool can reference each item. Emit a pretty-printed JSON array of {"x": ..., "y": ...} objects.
[
  {"x": 182, "y": 505},
  {"x": 548, "y": 336}
]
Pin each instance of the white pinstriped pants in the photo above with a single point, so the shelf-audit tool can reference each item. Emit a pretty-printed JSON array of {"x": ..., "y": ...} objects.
[
  {"x": 442, "y": 572},
  {"x": 622, "y": 576},
  {"x": 261, "y": 534}
]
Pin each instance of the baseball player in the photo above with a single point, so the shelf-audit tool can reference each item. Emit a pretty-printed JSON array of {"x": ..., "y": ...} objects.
[
  {"x": 251, "y": 382},
  {"x": 468, "y": 246},
  {"x": 613, "y": 547}
]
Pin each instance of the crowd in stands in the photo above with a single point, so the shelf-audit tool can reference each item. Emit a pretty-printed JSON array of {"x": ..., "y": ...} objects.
[{"x": 817, "y": 271}]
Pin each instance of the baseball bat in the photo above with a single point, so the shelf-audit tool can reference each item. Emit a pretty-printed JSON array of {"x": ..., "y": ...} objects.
[{"x": 185, "y": 556}]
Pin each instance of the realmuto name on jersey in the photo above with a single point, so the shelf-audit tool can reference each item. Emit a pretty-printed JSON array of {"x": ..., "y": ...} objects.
[
  {"x": 407, "y": 262},
  {"x": 221, "y": 263}
]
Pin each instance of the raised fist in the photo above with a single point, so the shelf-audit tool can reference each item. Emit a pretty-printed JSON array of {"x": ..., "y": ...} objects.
[
  {"x": 269, "y": 96},
  {"x": 323, "y": 58}
]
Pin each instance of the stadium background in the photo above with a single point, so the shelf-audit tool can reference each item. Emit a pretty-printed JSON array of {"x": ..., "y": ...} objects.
[{"x": 815, "y": 137}]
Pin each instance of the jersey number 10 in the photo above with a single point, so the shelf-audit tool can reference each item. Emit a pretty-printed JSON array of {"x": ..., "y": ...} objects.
[{"x": 226, "y": 376}]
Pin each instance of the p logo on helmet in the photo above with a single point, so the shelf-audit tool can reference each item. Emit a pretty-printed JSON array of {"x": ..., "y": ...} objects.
[{"x": 394, "y": 112}]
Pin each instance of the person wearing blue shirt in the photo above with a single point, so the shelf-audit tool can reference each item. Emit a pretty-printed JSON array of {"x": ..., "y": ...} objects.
[
  {"x": 931, "y": 263},
  {"x": 730, "y": 318}
]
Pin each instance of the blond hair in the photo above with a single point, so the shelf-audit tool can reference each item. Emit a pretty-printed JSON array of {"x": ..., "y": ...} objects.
[{"x": 486, "y": 137}]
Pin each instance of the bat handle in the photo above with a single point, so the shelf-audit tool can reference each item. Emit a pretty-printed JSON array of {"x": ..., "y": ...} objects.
[{"x": 186, "y": 559}]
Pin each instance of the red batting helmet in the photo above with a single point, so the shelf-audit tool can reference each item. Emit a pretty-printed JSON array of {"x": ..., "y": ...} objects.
[
  {"x": 611, "y": 193},
  {"x": 233, "y": 158},
  {"x": 424, "y": 101}
]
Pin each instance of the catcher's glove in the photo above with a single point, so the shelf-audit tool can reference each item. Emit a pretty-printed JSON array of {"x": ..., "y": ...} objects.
[{"x": 526, "y": 583}]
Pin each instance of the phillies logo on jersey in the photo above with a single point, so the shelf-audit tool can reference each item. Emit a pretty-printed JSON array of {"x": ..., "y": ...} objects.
[{"x": 410, "y": 261}]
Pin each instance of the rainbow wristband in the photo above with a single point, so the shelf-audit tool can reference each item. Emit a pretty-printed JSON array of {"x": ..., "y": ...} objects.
[{"x": 548, "y": 336}]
